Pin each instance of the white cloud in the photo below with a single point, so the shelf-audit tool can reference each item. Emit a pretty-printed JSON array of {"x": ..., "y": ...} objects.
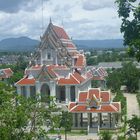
[{"x": 79, "y": 22}]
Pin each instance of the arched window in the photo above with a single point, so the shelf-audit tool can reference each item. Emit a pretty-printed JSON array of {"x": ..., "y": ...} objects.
[{"x": 49, "y": 56}]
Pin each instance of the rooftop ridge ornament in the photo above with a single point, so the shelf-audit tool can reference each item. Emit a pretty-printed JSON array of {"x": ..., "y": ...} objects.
[
  {"x": 50, "y": 20},
  {"x": 93, "y": 102}
]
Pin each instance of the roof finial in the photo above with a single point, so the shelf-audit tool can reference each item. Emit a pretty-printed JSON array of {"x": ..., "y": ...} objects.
[{"x": 50, "y": 20}]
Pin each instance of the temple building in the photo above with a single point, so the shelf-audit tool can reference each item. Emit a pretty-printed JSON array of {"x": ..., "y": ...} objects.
[
  {"x": 95, "y": 110},
  {"x": 5, "y": 74},
  {"x": 58, "y": 69}
]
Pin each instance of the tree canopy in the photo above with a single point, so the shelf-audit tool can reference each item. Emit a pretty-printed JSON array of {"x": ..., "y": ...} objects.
[
  {"x": 128, "y": 75},
  {"x": 134, "y": 124},
  {"x": 22, "y": 118},
  {"x": 129, "y": 12}
]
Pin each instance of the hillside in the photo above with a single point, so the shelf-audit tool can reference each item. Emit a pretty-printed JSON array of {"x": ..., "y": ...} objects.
[
  {"x": 99, "y": 44},
  {"x": 27, "y": 44},
  {"x": 18, "y": 44}
]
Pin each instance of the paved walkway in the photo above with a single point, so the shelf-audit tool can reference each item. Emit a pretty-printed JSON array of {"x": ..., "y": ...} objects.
[
  {"x": 132, "y": 105},
  {"x": 88, "y": 137}
]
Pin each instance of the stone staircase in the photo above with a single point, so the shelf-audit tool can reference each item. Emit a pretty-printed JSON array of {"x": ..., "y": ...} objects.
[{"x": 93, "y": 130}]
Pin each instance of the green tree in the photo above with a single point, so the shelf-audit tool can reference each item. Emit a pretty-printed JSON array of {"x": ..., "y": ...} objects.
[
  {"x": 114, "y": 80},
  {"x": 66, "y": 122},
  {"x": 130, "y": 27},
  {"x": 22, "y": 118},
  {"x": 130, "y": 75},
  {"x": 134, "y": 124},
  {"x": 106, "y": 135},
  {"x": 119, "y": 97}
]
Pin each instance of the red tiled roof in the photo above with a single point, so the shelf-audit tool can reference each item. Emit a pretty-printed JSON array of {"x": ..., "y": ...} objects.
[
  {"x": 104, "y": 106},
  {"x": 8, "y": 72},
  {"x": 80, "y": 61},
  {"x": 69, "y": 81},
  {"x": 98, "y": 78},
  {"x": 82, "y": 96},
  {"x": 89, "y": 74},
  {"x": 104, "y": 71},
  {"x": 103, "y": 109},
  {"x": 101, "y": 72},
  {"x": 71, "y": 105},
  {"x": 26, "y": 81},
  {"x": 60, "y": 32},
  {"x": 105, "y": 95},
  {"x": 71, "y": 46},
  {"x": 95, "y": 92},
  {"x": 117, "y": 105},
  {"x": 78, "y": 77}
]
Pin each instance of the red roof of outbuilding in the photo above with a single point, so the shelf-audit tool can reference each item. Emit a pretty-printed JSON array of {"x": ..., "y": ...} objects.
[
  {"x": 94, "y": 91},
  {"x": 105, "y": 96},
  {"x": 103, "y": 109},
  {"x": 8, "y": 72},
  {"x": 26, "y": 81},
  {"x": 80, "y": 60},
  {"x": 103, "y": 99},
  {"x": 82, "y": 96}
]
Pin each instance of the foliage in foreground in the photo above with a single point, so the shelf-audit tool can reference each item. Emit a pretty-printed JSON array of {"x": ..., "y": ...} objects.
[
  {"x": 134, "y": 124},
  {"x": 105, "y": 135},
  {"x": 138, "y": 98},
  {"x": 23, "y": 119},
  {"x": 128, "y": 75},
  {"x": 130, "y": 27},
  {"x": 120, "y": 98}
]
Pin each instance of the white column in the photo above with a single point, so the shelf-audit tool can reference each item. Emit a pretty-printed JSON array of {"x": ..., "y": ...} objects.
[
  {"x": 109, "y": 119},
  {"x": 99, "y": 120},
  {"x": 76, "y": 93},
  {"x": 28, "y": 91},
  {"x": 52, "y": 89},
  {"x": 38, "y": 88},
  {"x": 113, "y": 120},
  {"x": 79, "y": 119},
  {"x": 89, "y": 86},
  {"x": 19, "y": 90},
  {"x": 88, "y": 119},
  {"x": 67, "y": 94},
  {"x": 88, "y": 115}
]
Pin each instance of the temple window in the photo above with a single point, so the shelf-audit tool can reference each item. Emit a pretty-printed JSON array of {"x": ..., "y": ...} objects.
[{"x": 49, "y": 56}]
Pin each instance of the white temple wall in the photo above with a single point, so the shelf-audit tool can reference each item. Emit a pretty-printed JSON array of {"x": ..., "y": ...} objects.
[
  {"x": 52, "y": 88},
  {"x": 18, "y": 90},
  {"x": 28, "y": 91}
]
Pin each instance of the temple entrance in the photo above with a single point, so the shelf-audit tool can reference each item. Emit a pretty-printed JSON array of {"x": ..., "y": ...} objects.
[
  {"x": 45, "y": 93},
  {"x": 62, "y": 94},
  {"x": 72, "y": 93}
]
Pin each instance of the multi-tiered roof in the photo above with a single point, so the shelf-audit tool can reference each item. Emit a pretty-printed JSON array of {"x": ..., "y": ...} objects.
[{"x": 73, "y": 69}]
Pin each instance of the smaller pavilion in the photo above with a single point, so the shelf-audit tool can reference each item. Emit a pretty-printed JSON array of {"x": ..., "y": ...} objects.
[{"x": 95, "y": 110}]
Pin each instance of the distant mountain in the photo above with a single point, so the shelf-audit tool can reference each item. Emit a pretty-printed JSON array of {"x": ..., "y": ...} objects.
[
  {"x": 99, "y": 44},
  {"x": 27, "y": 44},
  {"x": 18, "y": 44}
]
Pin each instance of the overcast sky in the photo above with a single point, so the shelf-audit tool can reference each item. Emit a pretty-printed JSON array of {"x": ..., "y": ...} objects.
[{"x": 82, "y": 19}]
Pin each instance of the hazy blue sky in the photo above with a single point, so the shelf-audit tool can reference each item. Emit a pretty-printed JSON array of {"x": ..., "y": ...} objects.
[{"x": 82, "y": 19}]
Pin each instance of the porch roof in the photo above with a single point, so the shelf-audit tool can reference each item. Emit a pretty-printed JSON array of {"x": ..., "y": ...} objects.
[{"x": 83, "y": 108}]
